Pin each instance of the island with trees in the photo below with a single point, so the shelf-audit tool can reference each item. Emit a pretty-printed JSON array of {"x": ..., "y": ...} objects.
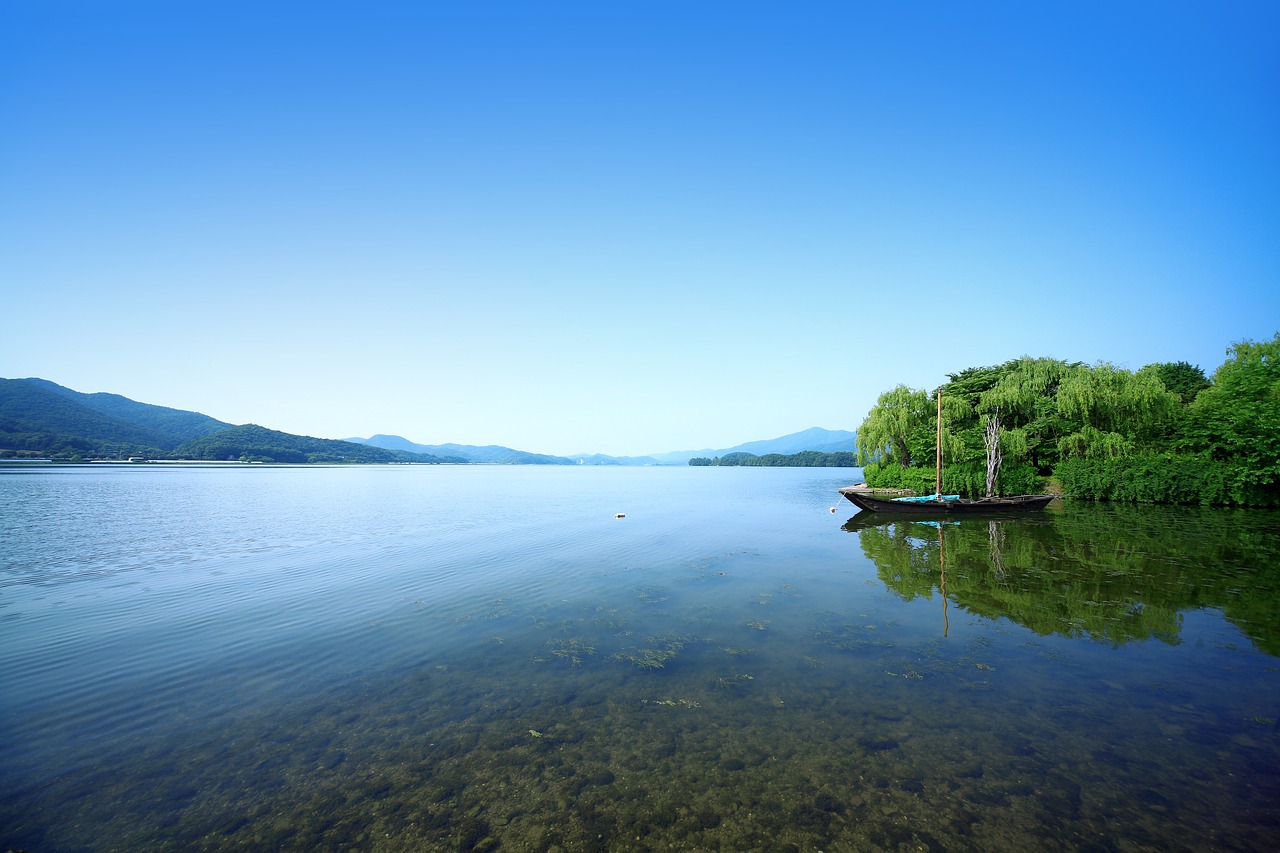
[
  {"x": 804, "y": 459},
  {"x": 1163, "y": 434}
]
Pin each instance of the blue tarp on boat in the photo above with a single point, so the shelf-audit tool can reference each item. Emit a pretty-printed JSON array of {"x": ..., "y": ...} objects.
[{"x": 922, "y": 498}]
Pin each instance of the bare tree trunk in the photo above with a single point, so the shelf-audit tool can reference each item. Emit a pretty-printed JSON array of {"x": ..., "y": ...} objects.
[{"x": 992, "y": 440}]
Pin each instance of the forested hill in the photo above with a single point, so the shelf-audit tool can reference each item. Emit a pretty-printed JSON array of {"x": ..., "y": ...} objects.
[
  {"x": 175, "y": 424},
  {"x": 44, "y": 419},
  {"x": 806, "y": 459},
  {"x": 258, "y": 444},
  {"x": 39, "y": 418}
]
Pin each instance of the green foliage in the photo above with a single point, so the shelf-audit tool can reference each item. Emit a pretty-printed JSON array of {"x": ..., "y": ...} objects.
[
  {"x": 898, "y": 427},
  {"x": 1116, "y": 573},
  {"x": 41, "y": 417},
  {"x": 1183, "y": 379},
  {"x": 1112, "y": 434},
  {"x": 1166, "y": 479},
  {"x": 1238, "y": 418},
  {"x": 1229, "y": 437},
  {"x": 889, "y": 475},
  {"x": 804, "y": 459},
  {"x": 1114, "y": 412},
  {"x": 35, "y": 418},
  {"x": 968, "y": 479},
  {"x": 1025, "y": 397},
  {"x": 997, "y": 569},
  {"x": 175, "y": 425},
  {"x": 252, "y": 443}
]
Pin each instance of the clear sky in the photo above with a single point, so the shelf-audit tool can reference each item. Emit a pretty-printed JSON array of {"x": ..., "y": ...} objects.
[{"x": 623, "y": 227}]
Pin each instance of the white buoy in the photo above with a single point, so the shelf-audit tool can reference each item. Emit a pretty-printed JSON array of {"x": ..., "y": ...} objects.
[{"x": 833, "y": 509}]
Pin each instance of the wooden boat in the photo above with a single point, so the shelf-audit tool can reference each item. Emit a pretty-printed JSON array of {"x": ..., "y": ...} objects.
[
  {"x": 940, "y": 504},
  {"x": 944, "y": 506}
]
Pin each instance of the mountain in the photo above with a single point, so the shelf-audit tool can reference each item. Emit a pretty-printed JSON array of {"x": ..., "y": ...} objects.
[
  {"x": 493, "y": 454},
  {"x": 175, "y": 423},
  {"x": 602, "y": 459},
  {"x": 254, "y": 443},
  {"x": 42, "y": 418},
  {"x": 814, "y": 438}
]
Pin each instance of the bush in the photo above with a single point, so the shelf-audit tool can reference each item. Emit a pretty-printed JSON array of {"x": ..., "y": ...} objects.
[
  {"x": 891, "y": 475},
  {"x": 967, "y": 478},
  {"x": 970, "y": 479},
  {"x": 1165, "y": 479}
]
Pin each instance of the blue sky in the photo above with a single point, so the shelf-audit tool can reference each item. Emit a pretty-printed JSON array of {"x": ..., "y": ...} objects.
[{"x": 623, "y": 227}]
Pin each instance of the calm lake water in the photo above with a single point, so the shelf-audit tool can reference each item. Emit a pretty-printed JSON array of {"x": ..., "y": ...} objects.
[{"x": 435, "y": 658}]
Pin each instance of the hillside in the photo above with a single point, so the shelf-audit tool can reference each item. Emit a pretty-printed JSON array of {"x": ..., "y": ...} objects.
[
  {"x": 176, "y": 424},
  {"x": 39, "y": 418},
  {"x": 259, "y": 444},
  {"x": 35, "y": 419}
]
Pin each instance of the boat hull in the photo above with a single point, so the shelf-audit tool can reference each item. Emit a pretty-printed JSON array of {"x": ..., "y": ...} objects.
[{"x": 1017, "y": 503}]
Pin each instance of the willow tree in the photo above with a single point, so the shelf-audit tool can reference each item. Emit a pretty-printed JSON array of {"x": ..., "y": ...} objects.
[
  {"x": 1112, "y": 412},
  {"x": 897, "y": 425},
  {"x": 964, "y": 416},
  {"x": 1025, "y": 396}
]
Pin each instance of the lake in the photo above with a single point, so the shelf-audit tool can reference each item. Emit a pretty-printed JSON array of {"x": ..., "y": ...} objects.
[{"x": 486, "y": 658}]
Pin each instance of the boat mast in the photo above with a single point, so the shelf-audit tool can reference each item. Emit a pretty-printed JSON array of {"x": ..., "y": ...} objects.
[{"x": 938, "y": 492}]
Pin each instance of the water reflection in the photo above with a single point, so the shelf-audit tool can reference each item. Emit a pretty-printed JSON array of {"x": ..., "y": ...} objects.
[
  {"x": 1115, "y": 574},
  {"x": 726, "y": 670}
]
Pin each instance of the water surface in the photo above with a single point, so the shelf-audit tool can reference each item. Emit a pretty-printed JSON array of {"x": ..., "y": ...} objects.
[{"x": 406, "y": 657}]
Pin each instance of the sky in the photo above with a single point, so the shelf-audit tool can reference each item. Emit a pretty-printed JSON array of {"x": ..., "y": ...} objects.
[{"x": 623, "y": 227}]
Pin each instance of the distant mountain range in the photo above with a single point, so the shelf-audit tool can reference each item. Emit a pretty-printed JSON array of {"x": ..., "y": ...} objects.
[
  {"x": 815, "y": 438},
  {"x": 41, "y": 419},
  {"x": 464, "y": 452}
]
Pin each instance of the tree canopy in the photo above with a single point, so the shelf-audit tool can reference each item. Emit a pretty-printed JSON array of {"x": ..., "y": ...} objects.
[
  {"x": 1237, "y": 418},
  {"x": 896, "y": 428},
  {"x": 1051, "y": 412}
]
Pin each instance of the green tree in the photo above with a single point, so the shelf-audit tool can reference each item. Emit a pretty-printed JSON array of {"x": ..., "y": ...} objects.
[
  {"x": 1183, "y": 379},
  {"x": 897, "y": 427},
  {"x": 1237, "y": 419},
  {"x": 1025, "y": 397},
  {"x": 1112, "y": 412}
]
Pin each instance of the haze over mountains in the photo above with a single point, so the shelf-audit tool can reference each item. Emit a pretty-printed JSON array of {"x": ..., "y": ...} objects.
[
  {"x": 39, "y": 418},
  {"x": 815, "y": 438}
]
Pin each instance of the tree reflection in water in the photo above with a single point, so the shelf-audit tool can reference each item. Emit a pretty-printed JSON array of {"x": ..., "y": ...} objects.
[{"x": 1112, "y": 573}]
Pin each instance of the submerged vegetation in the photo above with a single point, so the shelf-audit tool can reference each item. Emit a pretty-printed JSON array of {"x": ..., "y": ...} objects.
[
  {"x": 1163, "y": 434},
  {"x": 635, "y": 717}
]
